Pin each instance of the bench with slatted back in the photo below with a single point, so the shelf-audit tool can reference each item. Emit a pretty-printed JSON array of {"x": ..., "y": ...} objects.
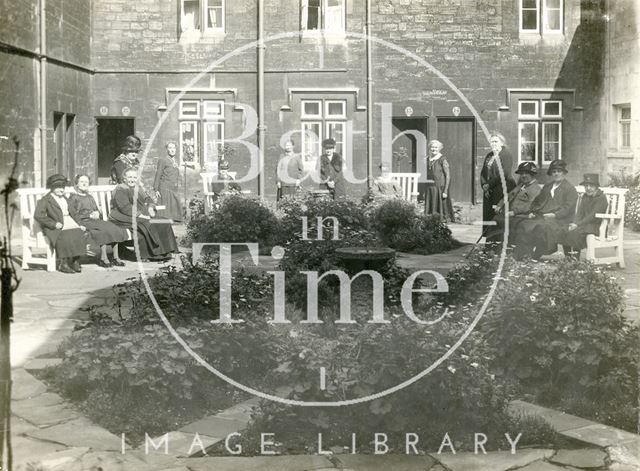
[
  {"x": 32, "y": 236},
  {"x": 611, "y": 235},
  {"x": 408, "y": 183}
]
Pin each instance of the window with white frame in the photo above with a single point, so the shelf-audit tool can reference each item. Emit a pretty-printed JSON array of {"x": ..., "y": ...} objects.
[
  {"x": 328, "y": 15},
  {"x": 541, "y": 16},
  {"x": 202, "y": 126},
  {"x": 624, "y": 127},
  {"x": 321, "y": 119},
  {"x": 539, "y": 131},
  {"x": 202, "y": 15}
]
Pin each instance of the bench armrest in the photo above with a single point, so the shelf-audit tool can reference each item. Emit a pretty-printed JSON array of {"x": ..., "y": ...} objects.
[{"x": 608, "y": 216}]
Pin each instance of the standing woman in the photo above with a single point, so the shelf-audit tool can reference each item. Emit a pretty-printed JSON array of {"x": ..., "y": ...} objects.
[
  {"x": 490, "y": 178},
  {"x": 166, "y": 184},
  {"x": 331, "y": 174},
  {"x": 66, "y": 236},
  {"x": 84, "y": 210},
  {"x": 437, "y": 200},
  {"x": 289, "y": 171},
  {"x": 128, "y": 157}
]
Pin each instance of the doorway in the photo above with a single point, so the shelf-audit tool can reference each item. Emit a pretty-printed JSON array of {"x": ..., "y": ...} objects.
[
  {"x": 111, "y": 134},
  {"x": 65, "y": 146},
  {"x": 458, "y": 137},
  {"x": 409, "y": 146}
]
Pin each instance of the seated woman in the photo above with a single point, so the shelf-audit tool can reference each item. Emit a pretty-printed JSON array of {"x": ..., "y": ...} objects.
[
  {"x": 84, "y": 210},
  {"x": 585, "y": 222},
  {"x": 67, "y": 237},
  {"x": 550, "y": 214},
  {"x": 156, "y": 240},
  {"x": 384, "y": 186}
]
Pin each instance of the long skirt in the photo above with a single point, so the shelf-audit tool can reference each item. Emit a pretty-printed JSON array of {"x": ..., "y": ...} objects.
[
  {"x": 105, "y": 232},
  {"x": 436, "y": 204},
  {"x": 576, "y": 238},
  {"x": 537, "y": 237},
  {"x": 170, "y": 200},
  {"x": 155, "y": 239},
  {"x": 71, "y": 243}
]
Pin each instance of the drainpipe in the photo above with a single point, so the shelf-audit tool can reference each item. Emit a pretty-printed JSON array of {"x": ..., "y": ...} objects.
[
  {"x": 369, "y": 67},
  {"x": 43, "y": 91},
  {"x": 261, "y": 125}
]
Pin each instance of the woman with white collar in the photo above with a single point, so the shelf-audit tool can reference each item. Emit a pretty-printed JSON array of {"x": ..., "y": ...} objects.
[{"x": 437, "y": 199}]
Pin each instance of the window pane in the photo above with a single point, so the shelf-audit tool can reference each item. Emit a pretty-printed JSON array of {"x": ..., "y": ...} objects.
[
  {"x": 311, "y": 139},
  {"x": 213, "y": 109},
  {"x": 190, "y": 15},
  {"x": 214, "y": 17},
  {"x": 189, "y": 109},
  {"x": 625, "y": 113},
  {"x": 625, "y": 138},
  {"x": 313, "y": 14},
  {"x": 189, "y": 141},
  {"x": 551, "y": 108},
  {"x": 528, "y": 141},
  {"x": 213, "y": 140},
  {"x": 553, "y": 20},
  {"x": 529, "y": 3},
  {"x": 553, "y": 3},
  {"x": 551, "y": 139},
  {"x": 529, "y": 108},
  {"x": 530, "y": 20},
  {"x": 336, "y": 108},
  {"x": 311, "y": 108},
  {"x": 334, "y": 15},
  {"x": 336, "y": 131}
]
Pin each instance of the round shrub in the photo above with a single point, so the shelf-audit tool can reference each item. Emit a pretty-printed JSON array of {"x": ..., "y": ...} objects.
[{"x": 236, "y": 218}]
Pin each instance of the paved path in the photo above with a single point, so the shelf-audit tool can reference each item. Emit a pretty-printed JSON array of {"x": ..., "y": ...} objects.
[{"x": 48, "y": 431}]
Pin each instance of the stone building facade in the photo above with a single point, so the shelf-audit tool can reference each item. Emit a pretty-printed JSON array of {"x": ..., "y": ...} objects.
[{"x": 554, "y": 76}]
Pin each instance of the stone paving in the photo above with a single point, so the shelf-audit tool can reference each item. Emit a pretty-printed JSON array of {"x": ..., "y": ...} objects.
[{"x": 48, "y": 432}]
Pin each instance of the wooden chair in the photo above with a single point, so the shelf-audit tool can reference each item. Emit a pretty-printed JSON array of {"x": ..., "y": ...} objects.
[
  {"x": 611, "y": 235},
  {"x": 409, "y": 184},
  {"x": 32, "y": 236}
]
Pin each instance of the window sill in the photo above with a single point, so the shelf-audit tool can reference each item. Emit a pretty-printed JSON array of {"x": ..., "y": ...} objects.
[
  {"x": 329, "y": 36},
  {"x": 195, "y": 35},
  {"x": 620, "y": 154},
  {"x": 535, "y": 38}
]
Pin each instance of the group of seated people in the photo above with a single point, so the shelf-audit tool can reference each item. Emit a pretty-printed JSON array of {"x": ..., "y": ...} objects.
[
  {"x": 71, "y": 223},
  {"x": 540, "y": 218}
]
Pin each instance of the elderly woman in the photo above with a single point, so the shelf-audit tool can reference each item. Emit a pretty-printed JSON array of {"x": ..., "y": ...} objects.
[
  {"x": 166, "y": 184},
  {"x": 84, "y": 210},
  {"x": 585, "y": 222},
  {"x": 550, "y": 214},
  {"x": 128, "y": 158},
  {"x": 437, "y": 199},
  {"x": 331, "y": 170},
  {"x": 156, "y": 240},
  {"x": 491, "y": 177},
  {"x": 289, "y": 171},
  {"x": 67, "y": 237}
]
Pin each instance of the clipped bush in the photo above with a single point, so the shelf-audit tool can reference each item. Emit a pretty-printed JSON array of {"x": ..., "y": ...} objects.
[
  {"x": 236, "y": 218},
  {"x": 558, "y": 330}
]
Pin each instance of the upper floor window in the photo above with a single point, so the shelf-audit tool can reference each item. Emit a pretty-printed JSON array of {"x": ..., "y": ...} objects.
[
  {"x": 202, "y": 15},
  {"x": 539, "y": 131},
  {"x": 328, "y": 15},
  {"x": 541, "y": 16},
  {"x": 624, "y": 127}
]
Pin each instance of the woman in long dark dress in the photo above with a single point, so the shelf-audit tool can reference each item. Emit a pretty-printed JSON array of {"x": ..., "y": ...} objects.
[
  {"x": 437, "y": 199},
  {"x": 67, "y": 237},
  {"x": 156, "y": 240},
  {"x": 84, "y": 210},
  {"x": 166, "y": 184},
  {"x": 491, "y": 179}
]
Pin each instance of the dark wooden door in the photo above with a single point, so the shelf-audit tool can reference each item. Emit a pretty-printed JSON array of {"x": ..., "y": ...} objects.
[
  {"x": 458, "y": 137},
  {"x": 111, "y": 134}
]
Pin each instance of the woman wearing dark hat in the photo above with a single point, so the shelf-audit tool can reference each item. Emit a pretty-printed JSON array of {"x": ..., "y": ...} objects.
[
  {"x": 520, "y": 200},
  {"x": 127, "y": 158},
  {"x": 166, "y": 182},
  {"x": 225, "y": 183},
  {"x": 66, "y": 236},
  {"x": 550, "y": 214},
  {"x": 84, "y": 210},
  {"x": 156, "y": 240},
  {"x": 331, "y": 170},
  {"x": 585, "y": 222},
  {"x": 491, "y": 178}
]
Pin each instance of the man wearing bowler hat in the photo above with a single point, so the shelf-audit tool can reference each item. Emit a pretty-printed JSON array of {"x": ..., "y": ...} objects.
[
  {"x": 520, "y": 200},
  {"x": 331, "y": 170},
  {"x": 585, "y": 222},
  {"x": 550, "y": 214}
]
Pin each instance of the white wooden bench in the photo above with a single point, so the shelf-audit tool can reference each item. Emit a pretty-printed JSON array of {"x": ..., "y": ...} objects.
[
  {"x": 408, "y": 182},
  {"x": 32, "y": 236},
  {"x": 611, "y": 235}
]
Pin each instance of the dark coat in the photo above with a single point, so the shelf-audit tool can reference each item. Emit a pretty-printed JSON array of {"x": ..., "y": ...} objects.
[
  {"x": 331, "y": 170},
  {"x": 490, "y": 175},
  {"x": 589, "y": 206},
  {"x": 122, "y": 205},
  {"x": 562, "y": 204},
  {"x": 167, "y": 175},
  {"x": 120, "y": 164},
  {"x": 48, "y": 213}
]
